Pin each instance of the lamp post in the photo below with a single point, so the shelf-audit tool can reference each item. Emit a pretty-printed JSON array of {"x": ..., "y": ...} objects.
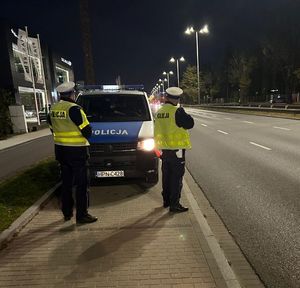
[
  {"x": 168, "y": 76},
  {"x": 173, "y": 60},
  {"x": 153, "y": 91},
  {"x": 189, "y": 31},
  {"x": 157, "y": 89},
  {"x": 161, "y": 81}
]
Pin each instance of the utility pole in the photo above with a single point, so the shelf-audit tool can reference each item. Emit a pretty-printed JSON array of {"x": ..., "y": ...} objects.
[{"x": 86, "y": 41}]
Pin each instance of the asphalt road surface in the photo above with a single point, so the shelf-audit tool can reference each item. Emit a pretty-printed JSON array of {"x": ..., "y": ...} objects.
[
  {"x": 20, "y": 157},
  {"x": 249, "y": 168}
]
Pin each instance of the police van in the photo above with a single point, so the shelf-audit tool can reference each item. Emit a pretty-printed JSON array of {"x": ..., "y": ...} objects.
[{"x": 122, "y": 141}]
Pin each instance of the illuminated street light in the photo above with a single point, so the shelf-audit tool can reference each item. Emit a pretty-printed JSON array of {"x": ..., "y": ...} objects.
[
  {"x": 173, "y": 60},
  {"x": 189, "y": 31},
  {"x": 157, "y": 88},
  {"x": 162, "y": 83},
  {"x": 168, "y": 76}
]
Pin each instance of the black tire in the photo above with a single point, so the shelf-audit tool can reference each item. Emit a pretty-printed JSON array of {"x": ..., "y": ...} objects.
[{"x": 150, "y": 181}]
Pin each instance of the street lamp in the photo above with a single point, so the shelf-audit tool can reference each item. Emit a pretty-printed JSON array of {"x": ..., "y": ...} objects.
[
  {"x": 173, "y": 60},
  {"x": 163, "y": 84},
  {"x": 157, "y": 88},
  {"x": 168, "y": 76},
  {"x": 189, "y": 31}
]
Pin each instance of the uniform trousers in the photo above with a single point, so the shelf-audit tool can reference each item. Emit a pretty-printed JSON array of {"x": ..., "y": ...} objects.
[
  {"x": 74, "y": 172},
  {"x": 173, "y": 168}
]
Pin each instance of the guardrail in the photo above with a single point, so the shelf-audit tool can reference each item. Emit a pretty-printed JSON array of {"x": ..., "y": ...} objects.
[{"x": 293, "y": 110}]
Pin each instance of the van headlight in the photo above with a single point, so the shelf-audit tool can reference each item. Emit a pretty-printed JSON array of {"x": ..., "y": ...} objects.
[{"x": 146, "y": 145}]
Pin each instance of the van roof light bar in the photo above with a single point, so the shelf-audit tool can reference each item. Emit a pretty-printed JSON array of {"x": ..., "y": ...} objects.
[{"x": 139, "y": 87}]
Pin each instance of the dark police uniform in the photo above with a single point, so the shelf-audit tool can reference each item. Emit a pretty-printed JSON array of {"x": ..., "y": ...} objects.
[
  {"x": 71, "y": 129},
  {"x": 172, "y": 138}
]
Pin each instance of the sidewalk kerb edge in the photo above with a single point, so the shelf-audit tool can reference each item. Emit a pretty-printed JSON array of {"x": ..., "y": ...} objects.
[{"x": 20, "y": 222}]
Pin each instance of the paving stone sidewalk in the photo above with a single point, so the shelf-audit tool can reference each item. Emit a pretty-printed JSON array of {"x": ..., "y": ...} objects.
[{"x": 136, "y": 243}]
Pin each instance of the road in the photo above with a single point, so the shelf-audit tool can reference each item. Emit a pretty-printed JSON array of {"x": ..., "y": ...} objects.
[
  {"x": 22, "y": 156},
  {"x": 249, "y": 167}
]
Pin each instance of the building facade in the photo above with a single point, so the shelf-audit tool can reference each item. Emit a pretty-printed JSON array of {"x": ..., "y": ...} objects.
[{"x": 32, "y": 71}]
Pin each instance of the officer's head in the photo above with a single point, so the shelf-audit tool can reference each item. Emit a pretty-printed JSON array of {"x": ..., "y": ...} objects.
[
  {"x": 67, "y": 90},
  {"x": 174, "y": 94}
]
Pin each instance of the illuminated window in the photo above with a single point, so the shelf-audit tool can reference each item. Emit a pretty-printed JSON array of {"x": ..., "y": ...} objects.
[
  {"x": 62, "y": 75},
  {"x": 17, "y": 61}
]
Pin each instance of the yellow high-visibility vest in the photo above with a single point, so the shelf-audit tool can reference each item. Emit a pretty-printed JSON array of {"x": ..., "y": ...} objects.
[
  {"x": 167, "y": 134},
  {"x": 65, "y": 131}
]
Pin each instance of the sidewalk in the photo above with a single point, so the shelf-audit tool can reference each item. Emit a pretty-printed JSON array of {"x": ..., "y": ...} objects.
[
  {"x": 135, "y": 243},
  {"x": 22, "y": 138}
]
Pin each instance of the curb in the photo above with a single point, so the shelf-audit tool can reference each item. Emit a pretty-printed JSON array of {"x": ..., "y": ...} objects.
[
  {"x": 26, "y": 217},
  {"x": 19, "y": 139},
  {"x": 227, "y": 272}
]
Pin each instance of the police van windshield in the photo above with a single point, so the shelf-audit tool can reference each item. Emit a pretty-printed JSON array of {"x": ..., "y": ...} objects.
[{"x": 114, "y": 108}]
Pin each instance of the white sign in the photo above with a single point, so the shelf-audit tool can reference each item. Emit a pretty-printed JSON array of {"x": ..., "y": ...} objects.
[
  {"x": 66, "y": 61},
  {"x": 24, "y": 57},
  {"x": 36, "y": 59}
]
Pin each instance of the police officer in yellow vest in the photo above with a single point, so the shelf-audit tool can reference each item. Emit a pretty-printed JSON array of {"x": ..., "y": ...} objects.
[
  {"x": 172, "y": 137},
  {"x": 71, "y": 129}
]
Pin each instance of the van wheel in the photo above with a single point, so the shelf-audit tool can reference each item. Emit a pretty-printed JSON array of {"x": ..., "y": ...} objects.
[{"x": 150, "y": 181}]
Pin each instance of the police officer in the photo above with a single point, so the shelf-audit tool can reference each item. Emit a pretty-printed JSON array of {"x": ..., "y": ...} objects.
[
  {"x": 71, "y": 129},
  {"x": 172, "y": 137}
]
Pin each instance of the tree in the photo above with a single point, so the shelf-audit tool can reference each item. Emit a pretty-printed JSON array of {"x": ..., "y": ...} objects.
[
  {"x": 281, "y": 46},
  {"x": 210, "y": 86},
  {"x": 5, "y": 122},
  {"x": 239, "y": 73},
  {"x": 189, "y": 84},
  {"x": 297, "y": 79}
]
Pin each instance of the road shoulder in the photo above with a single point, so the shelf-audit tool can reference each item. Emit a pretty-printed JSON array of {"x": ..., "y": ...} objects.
[{"x": 223, "y": 247}]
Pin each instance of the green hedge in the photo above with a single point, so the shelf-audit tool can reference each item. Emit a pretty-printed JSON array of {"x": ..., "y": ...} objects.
[{"x": 5, "y": 122}]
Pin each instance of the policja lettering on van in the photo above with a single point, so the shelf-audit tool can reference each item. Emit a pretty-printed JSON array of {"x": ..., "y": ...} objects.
[{"x": 110, "y": 132}]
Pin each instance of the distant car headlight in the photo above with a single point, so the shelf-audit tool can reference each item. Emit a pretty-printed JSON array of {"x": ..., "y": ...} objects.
[{"x": 146, "y": 145}]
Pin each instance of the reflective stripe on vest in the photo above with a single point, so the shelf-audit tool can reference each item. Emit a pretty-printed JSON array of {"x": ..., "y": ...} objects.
[
  {"x": 167, "y": 134},
  {"x": 65, "y": 131}
]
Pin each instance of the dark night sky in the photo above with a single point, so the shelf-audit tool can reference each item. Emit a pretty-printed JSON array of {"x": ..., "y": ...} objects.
[{"x": 136, "y": 38}]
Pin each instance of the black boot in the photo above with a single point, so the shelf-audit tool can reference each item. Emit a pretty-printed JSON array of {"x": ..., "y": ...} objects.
[
  {"x": 178, "y": 209},
  {"x": 86, "y": 219}
]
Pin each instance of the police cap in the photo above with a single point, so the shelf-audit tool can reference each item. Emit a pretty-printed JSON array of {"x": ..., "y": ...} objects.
[
  {"x": 174, "y": 92},
  {"x": 66, "y": 88}
]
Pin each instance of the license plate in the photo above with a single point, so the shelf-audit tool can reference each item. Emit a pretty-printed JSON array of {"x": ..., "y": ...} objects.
[{"x": 105, "y": 174}]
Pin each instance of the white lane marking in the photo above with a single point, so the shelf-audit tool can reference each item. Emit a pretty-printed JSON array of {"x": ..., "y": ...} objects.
[
  {"x": 201, "y": 123},
  {"x": 228, "y": 118},
  {"x": 261, "y": 146},
  {"x": 282, "y": 128},
  {"x": 223, "y": 132},
  {"x": 249, "y": 122}
]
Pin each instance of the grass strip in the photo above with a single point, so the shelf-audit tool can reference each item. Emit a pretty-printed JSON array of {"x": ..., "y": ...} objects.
[{"x": 20, "y": 192}]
